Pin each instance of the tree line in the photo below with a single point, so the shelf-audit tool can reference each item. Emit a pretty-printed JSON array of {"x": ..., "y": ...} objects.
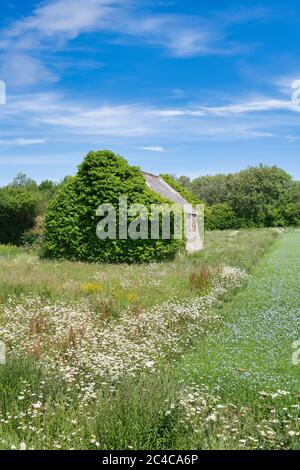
[
  {"x": 23, "y": 204},
  {"x": 261, "y": 196}
]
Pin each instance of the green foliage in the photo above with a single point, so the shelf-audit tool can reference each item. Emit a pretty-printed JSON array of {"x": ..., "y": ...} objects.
[
  {"x": 220, "y": 217},
  {"x": 48, "y": 278},
  {"x": 261, "y": 196},
  {"x": 183, "y": 191},
  {"x": 21, "y": 202},
  {"x": 21, "y": 181},
  {"x": 43, "y": 192},
  {"x": 34, "y": 235},
  {"x": 258, "y": 196},
  {"x": 47, "y": 185},
  {"x": 18, "y": 209},
  {"x": 292, "y": 212},
  {"x": 136, "y": 412},
  {"x": 185, "y": 181},
  {"x": 71, "y": 221},
  {"x": 211, "y": 189}
]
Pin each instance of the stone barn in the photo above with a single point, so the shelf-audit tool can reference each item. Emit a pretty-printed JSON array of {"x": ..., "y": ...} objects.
[{"x": 194, "y": 219}]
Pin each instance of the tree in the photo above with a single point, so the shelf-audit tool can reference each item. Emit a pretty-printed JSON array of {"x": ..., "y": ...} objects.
[
  {"x": 18, "y": 209},
  {"x": 259, "y": 195},
  {"x": 47, "y": 186},
  {"x": 292, "y": 213},
  {"x": 185, "y": 181},
  {"x": 21, "y": 181},
  {"x": 211, "y": 189}
]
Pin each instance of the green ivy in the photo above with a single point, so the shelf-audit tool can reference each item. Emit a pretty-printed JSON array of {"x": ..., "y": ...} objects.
[{"x": 71, "y": 220}]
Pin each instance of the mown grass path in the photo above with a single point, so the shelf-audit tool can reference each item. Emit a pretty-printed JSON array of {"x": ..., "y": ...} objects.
[{"x": 254, "y": 350}]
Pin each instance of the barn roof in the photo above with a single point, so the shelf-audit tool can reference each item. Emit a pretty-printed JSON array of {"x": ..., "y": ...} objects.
[{"x": 159, "y": 185}]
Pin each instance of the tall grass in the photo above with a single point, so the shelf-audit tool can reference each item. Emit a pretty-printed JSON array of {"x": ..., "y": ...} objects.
[
  {"x": 158, "y": 409},
  {"x": 22, "y": 272}
]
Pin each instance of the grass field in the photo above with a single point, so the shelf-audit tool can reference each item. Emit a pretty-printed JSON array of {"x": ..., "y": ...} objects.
[
  {"x": 247, "y": 366},
  {"x": 24, "y": 273},
  {"x": 173, "y": 355}
]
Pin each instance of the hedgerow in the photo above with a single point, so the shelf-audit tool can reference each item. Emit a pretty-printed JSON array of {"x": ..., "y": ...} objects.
[
  {"x": 18, "y": 210},
  {"x": 220, "y": 217},
  {"x": 217, "y": 216}
]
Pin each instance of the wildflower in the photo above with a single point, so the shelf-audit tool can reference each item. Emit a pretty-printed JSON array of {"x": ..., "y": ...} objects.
[
  {"x": 212, "y": 417},
  {"x": 149, "y": 364},
  {"x": 37, "y": 405},
  {"x": 263, "y": 394}
]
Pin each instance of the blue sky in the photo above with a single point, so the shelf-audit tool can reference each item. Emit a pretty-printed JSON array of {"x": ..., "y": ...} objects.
[{"x": 179, "y": 86}]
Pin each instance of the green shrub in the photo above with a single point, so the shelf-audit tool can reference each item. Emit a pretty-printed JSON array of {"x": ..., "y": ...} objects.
[
  {"x": 18, "y": 210},
  {"x": 71, "y": 220},
  {"x": 31, "y": 237},
  {"x": 43, "y": 192},
  {"x": 220, "y": 217}
]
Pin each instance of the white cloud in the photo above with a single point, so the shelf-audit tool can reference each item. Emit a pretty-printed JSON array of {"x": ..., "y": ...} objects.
[
  {"x": 63, "y": 20},
  {"x": 292, "y": 138},
  {"x": 236, "y": 108},
  {"x": 260, "y": 134},
  {"x": 67, "y": 18},
  {"x": 154, "y": 148},
  {"x": 61, "y": 120},
  {"x": 181, "y": 36},
  {"x": 22, "y": 142},
  {"x": 172, "y": 112},
  {"x": 52, "y": 24},
  {"x": 254, "y": 106},
  {"x": 21, "y": 69},
  {"x": 285, "y": 83}
]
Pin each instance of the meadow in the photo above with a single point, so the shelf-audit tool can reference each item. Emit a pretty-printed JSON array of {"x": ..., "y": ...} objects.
[
  {"x": 194, "y": 353},
  {"x": 24, "y": 273}
]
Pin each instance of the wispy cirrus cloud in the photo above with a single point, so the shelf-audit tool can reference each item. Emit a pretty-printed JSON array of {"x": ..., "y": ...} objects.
[
  {"x": 22, "y": 141},
  {"x": 261, "y": 105},
  {"x": 153, "y": 148},
  {"x": 22, "y": 69},
  {"x": 66, "y": 19},
  {"x": 55, "y": 23},
  {"x": 55, "y": 118}
]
